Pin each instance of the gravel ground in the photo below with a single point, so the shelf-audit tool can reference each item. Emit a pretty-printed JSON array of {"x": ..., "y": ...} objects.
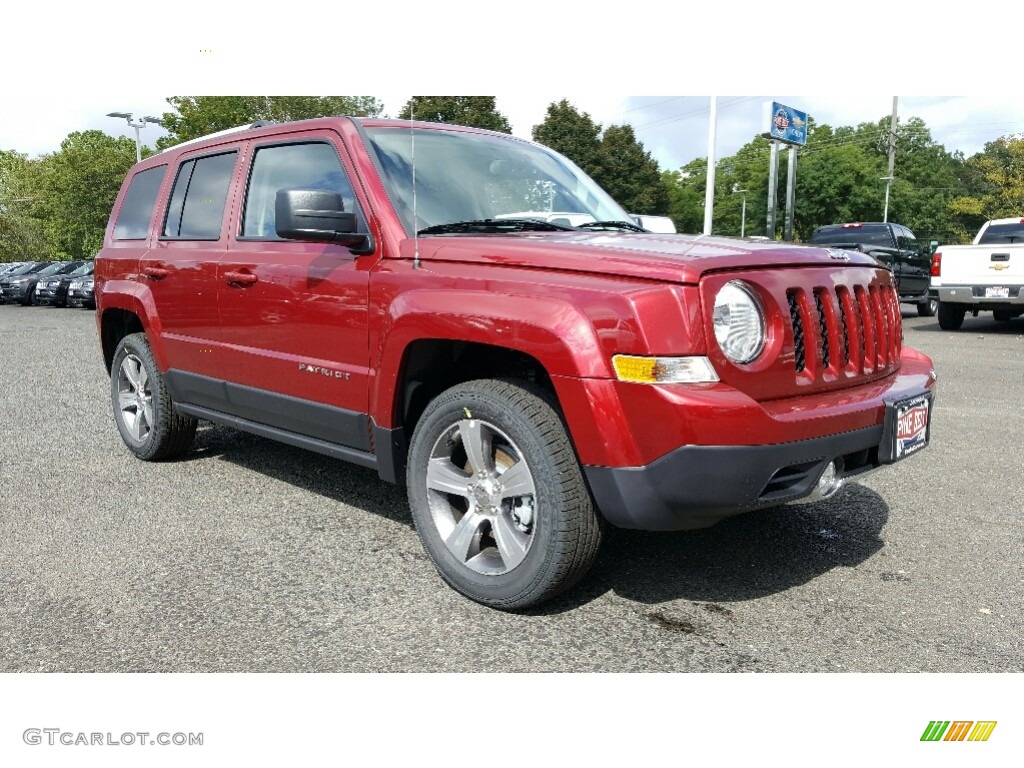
[{"x": 254, "y": 556}]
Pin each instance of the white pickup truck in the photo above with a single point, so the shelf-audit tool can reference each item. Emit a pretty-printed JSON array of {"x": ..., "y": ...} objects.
[{"x": 987, "y": 276}]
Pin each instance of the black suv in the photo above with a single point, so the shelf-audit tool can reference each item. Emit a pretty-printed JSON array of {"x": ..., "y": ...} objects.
[
  {"x": 54, "y": 289},
  {"x": 895, "y": 246},
  {"x": 18, "y": 283}
]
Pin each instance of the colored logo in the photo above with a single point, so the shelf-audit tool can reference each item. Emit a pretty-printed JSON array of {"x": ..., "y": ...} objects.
[
  {"x": 781, "y": 120},
  {"x": 958, "y": 730}
]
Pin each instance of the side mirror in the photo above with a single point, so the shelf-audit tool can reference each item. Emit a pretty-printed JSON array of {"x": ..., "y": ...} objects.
[{"x": 318, "y": 216}]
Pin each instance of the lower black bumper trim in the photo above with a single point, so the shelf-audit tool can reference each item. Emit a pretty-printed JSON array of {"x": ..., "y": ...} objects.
[{"x": 696, "y": 486}]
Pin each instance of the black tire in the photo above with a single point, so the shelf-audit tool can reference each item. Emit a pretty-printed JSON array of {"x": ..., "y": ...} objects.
[
  {"x": 555, "y": 530},
  {"x": 160, "y": 433},
  {"x": 1003, "y": 315},
  {"x": 951, "y": 316},
  {"x": 928, "y": 308}
]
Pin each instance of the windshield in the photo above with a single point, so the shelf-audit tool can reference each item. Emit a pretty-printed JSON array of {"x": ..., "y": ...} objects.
[
  {"x": 24, "y": 269},
  {"x": 52, "y": 269},
  {"x": 1003, "y": 233},
  {"x": 85, "y": 269},
  {"x": 471, "y": 177},
  {"x": 68, "y": 268}
]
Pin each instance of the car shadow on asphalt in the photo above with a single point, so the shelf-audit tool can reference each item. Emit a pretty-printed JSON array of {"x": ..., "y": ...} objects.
[
  {"x": 336, "y": 480},
  {"x": 745, "y": 557},
  {"x": 742, "y": 558}
]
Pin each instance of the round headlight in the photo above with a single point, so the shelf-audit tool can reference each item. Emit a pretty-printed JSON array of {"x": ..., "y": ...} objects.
[{"x": 739, "y": 322}]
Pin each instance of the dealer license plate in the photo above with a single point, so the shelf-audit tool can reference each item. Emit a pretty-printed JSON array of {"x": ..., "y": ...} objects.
[
  {"x": 910, "y": 430},
  {"x": 997, "y": 292}
]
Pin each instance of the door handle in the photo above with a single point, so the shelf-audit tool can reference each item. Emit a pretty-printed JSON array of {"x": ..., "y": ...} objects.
[
  {"x": 240, "y": 278},
  {"x": 155, "y": 273}
]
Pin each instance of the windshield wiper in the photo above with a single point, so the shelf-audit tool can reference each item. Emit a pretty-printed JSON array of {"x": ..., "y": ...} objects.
[
  {"x": 494, "y": 226},
  {"x": 621, "y": 226}
]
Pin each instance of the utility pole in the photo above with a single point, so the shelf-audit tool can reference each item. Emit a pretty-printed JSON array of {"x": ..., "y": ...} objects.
[
  {"x": 892, "y": 156},
  {"x": 773, "y": 180},
  {"x": 709, "y": 194},
  {"x": 787, "y": 227}
]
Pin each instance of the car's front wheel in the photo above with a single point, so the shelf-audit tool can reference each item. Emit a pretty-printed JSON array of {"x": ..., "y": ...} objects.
[
  {"x": 928, "y": 308},
  {"x": 498, "y": 495},
  {"x": 143, "y": 410}
]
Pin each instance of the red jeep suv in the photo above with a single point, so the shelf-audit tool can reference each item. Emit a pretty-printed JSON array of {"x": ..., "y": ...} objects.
[{"x": 471, "y": 315}]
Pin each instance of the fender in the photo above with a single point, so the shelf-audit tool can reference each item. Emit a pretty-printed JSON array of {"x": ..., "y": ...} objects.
[
  {"x": 556, "y": 333},
  {"x": 136, "y": 298}
]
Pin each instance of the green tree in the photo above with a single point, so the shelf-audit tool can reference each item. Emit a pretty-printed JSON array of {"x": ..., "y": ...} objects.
[
  {"x": 79, "y": 185},
  {"x": 195, "y": 116},
  {"x": 630, "y": 174},
  {"x": 573, "y": 134},
  {"x": 22, "y": 236},
  {"x": 993, "y": 185},
  {"x": 474, "y": 111},
  {"x": 685, "y": 202}
]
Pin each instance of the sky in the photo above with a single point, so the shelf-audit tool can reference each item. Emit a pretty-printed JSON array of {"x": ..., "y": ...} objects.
[
  {"x": 673, "y": 128},
  {"x": 620, "y": 67}
]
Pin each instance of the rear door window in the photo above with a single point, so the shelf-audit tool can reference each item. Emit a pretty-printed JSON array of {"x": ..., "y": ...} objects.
[
  {"x": 196, "y": 210},
  {"x": 137, "y": 207}
]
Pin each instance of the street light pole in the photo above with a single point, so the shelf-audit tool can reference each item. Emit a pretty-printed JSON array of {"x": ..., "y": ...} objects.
[
  {"x": 136, "y": 125},
  {"x": 743, "y": 214}
]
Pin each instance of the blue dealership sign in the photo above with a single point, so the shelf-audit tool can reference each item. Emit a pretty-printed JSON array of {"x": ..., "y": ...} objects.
[{"x": 787, "y": 124}]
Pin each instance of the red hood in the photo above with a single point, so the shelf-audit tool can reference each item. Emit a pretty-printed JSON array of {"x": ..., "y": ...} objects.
[{"x": 670, "y": 258}]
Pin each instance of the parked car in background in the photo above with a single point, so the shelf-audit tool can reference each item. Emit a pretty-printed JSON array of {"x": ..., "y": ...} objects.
[
  {"x": 54, "y": 289},
  {"x": 80, "y": 292},
  {"x": 896, "y": 247},
  {"x": 13, "y": 284},
  {"x": 10, "y": 266},
  {"x": 986, "y": 276},
  {"x": 659, "y": 224},
  {"x": 53, "y": 270}
]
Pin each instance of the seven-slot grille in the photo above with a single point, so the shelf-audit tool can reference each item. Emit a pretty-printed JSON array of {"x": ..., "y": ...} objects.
[{"x": 855, "y": 329}]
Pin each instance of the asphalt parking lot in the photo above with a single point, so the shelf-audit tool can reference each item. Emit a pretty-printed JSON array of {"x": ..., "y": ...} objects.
[{"x": 254, "y": 556}]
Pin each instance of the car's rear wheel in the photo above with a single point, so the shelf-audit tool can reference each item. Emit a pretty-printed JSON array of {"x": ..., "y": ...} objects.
[
  {"x": 951, "y": 316},
  {"x": 498, "y": 496},
  {"x": 143, "y": 410}
]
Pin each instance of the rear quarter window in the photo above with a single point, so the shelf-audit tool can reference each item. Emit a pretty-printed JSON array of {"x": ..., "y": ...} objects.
[
  {"x": 137, "y": 207},
  {"x": 866, "y": 235},
  {"x": 200, "y": 192}
]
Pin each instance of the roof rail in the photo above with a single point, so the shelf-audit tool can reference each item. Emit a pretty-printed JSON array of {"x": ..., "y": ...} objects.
[{"x": 225, "y": 132}]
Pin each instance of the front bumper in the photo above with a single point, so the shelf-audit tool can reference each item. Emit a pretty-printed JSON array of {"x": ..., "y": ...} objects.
[
  {"x": 696, "y": 486},
  {"x": 81, "y": 298},
  {"x": 15, "y": 292},
  {"x": 701, "y": 480}
]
